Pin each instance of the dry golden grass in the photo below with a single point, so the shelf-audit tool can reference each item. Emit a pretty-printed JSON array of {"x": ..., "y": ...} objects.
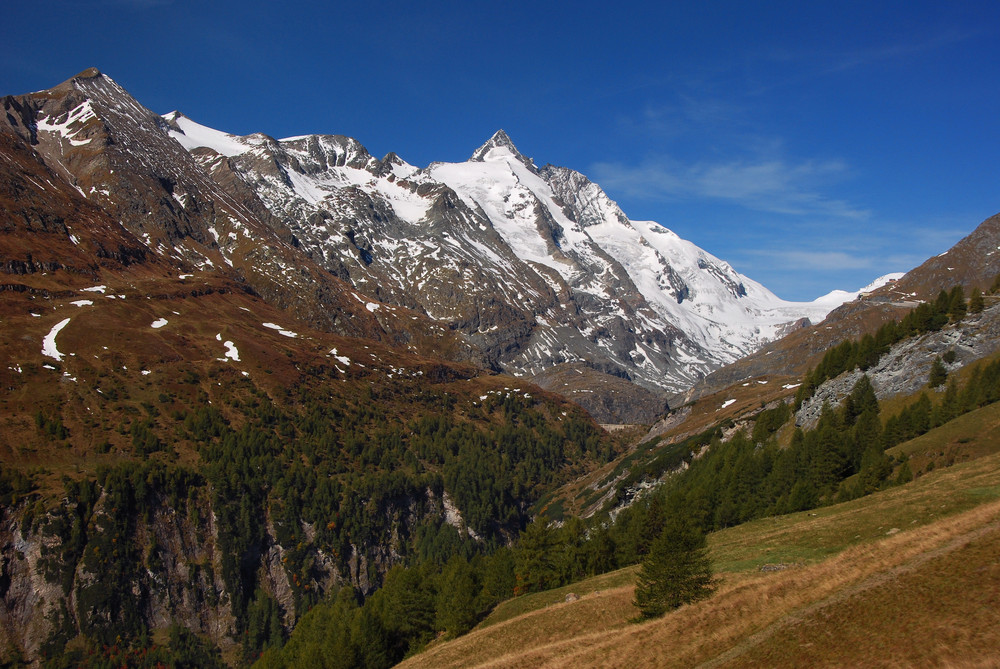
[
  {"x": 905, "y": 578},
  {"x": 941, "y": 611}
]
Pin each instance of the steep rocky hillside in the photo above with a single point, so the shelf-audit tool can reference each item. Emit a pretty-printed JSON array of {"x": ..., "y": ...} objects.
[
  {"x": 905, "y": 369},
  {"x": 90, "y": 136},
  {"x": 974, "y": 262}
]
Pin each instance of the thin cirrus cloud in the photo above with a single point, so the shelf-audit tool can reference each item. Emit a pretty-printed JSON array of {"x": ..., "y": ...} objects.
[
  {"x": 815, "y": 260},
  {"x": 768, "y": 185},
  {"x": 902, "y": 247},
  {"x": 847, "y": 60}
]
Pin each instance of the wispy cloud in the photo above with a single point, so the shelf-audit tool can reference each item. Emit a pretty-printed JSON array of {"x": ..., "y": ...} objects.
[
  {"x": 878, "y": 248},
  {"x": 680, "y": 115},
  {"x": 860, "y": 57},
  {"x": 769, "y": 185},
  {"x": 820, "y": 63},
  {"x": 816, "y": 260}
]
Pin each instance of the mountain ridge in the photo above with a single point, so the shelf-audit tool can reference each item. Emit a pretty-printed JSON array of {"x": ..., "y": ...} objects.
[
  {"x": 525, "y": 269},
  {"x": 506, "y": 261}
]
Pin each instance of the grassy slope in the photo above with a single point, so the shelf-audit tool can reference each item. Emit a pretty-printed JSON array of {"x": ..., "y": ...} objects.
[{"x": 906, "y": 577}]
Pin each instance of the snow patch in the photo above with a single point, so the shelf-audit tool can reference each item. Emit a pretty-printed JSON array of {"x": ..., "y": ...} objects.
[
  {"x": 194, "y": 135},
  {"x": 231, "y": 351},
  {"x": 158, "y": 323},
  {"x": 280, "y": 329},
  {"x": 49, "y": 347},
  {"x": 342, "y": 358}
]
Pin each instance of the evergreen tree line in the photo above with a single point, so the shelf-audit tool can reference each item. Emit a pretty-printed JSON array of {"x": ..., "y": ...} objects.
[
  {"x": 950, "y": 306},
  {"x": 351, "y": 482},
  {"x": 843, "y": 457},
  {"x": 981, "y": 389},
  {"x": 414, "y": 606},
  {"x": 443, "y": 596},
  {"x": 337, "y": 476},
  {"x": 183, "y": 650}
]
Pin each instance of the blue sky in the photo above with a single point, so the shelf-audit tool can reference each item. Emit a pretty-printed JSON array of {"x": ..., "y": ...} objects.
[{"x": 814, "y": 145}]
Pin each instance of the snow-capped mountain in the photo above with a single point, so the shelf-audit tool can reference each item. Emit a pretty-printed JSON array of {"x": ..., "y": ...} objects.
[
  {"x": 520, "y": 268},
  {"x": 536, "y": 266}
]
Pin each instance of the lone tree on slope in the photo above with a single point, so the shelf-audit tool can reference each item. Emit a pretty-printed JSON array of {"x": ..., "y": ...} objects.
[{"x": 676, "y": 571}]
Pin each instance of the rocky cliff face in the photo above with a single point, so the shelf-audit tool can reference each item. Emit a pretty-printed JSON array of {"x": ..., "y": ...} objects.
[{"x": 166, "y": 568}]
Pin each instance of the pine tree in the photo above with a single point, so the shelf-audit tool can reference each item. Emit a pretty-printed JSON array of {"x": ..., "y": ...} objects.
[
  {"x": 875, "y": 468},
  {"x": 976, "y": 303},
  {"x": 866, "y": 434},
  {"x": 904, "y": 475},
  {"x": 919, "y": 415},
  {"x": 458, "y": 602},
  {"x": 863, "y": 396},
  {"x": 535, "y": 560},
  {"x": 498, "y": 578},
  {"x": 957, "y": 307},
  {"x": 938, "y": 373},
  {"x": 676, "y": 571}
]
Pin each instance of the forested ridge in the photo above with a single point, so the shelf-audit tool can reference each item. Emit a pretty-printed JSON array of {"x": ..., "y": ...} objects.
[
  {"x": 339, "y": 481},
  {"x": 950, "y": 306}
]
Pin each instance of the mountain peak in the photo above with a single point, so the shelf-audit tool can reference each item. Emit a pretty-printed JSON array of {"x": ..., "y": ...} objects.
[
  {"x": 89, "y": 73},
  {"x": 499, "y": 143}
]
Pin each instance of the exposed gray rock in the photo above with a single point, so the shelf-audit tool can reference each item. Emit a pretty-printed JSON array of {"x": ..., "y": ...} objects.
[{"x": 906, "y": 368}]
